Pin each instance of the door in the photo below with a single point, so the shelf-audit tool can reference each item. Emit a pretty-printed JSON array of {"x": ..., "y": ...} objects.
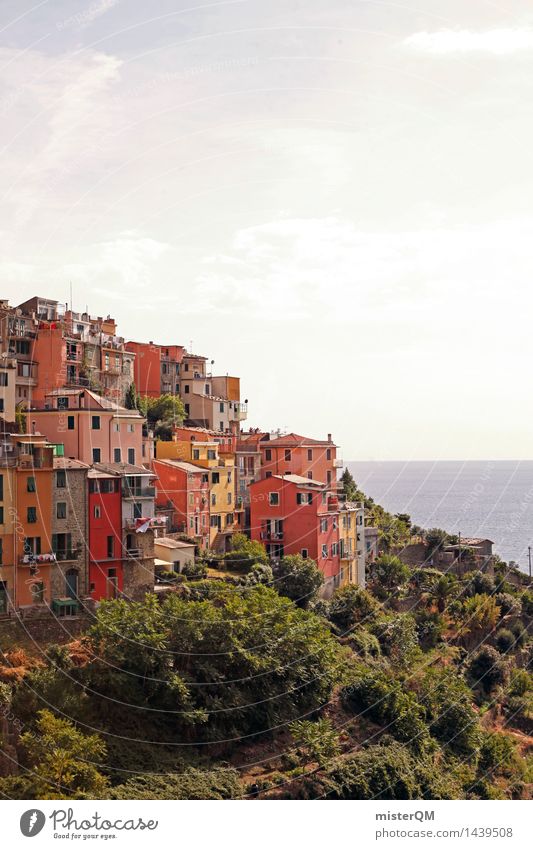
[
  {"x": 3, "y": 597},
  {"x": 71, "y": 578}
]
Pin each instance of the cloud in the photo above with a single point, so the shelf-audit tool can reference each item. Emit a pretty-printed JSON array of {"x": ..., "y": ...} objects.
[
  {"x": 499, "y": 42},
  {"x": 89, "y": 15}
]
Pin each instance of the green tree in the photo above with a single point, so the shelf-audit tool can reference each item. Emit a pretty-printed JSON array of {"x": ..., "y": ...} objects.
[
  {"x": 389, "y": 571},
  {"x": 487, "y": 669},
  {"x": 441, "y": 591},
  {"x": 298, "y": 578},
  {"x": 319, "y": 739},
  {"x": 436, "y": 539},
  {"x": 192, "y": 784},
  {"x": 241, "y": 661},
  {"x": 377, "y": 772},
  {"x": 163, "y": 413},
  {"x": 350, "y": 606},
  {"x": 60, "y": 762},
  {"x": 244, "y": 553},
  {"x": 131, "y": 401}
]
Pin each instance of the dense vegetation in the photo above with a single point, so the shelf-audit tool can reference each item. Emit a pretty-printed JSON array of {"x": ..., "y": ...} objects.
[{"x": 253, "y": 686}]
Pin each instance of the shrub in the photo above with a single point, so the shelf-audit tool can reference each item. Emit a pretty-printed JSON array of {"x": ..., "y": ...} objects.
[
  {"x": 194, "y": 570},
  {"x": 298, "y": 578},
  {"x": 319, "y": 739},
  {"x": 487, "y": 669},
  {"x": 350, "y": 606},
  {"x": 509, "y": 604},
  {"x": 505, "y": 640},
  {"x": 378, "y": 772},
  {"x": 193, "y": 784}
]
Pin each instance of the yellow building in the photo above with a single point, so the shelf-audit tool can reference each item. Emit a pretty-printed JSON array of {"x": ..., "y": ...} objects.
[
  {"x": 7, "y": 552},
  {"x": 351, "y": 543},
  {"x": 219, "y": 461}
]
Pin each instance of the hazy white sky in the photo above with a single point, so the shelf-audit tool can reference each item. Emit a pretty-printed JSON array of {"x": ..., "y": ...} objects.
[{"x": 331, "y": 198}]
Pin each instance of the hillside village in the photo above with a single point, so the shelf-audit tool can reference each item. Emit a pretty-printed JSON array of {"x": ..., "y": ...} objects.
[
  {"x": 95, "y": 503},
  {"x": 170, "y": 579}
]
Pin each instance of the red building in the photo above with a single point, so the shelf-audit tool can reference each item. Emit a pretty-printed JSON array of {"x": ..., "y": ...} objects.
[
  {"x": 157, "y": 368},
  {"x": 105, "y": 535},
  {"x": 291, "y": 453},
  {"x": 293, "y": 515},
  {"x": 184, "y": 489}
]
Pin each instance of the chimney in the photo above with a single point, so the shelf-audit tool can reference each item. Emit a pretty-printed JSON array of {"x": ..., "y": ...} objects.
[{"x": 329, "y": 438}]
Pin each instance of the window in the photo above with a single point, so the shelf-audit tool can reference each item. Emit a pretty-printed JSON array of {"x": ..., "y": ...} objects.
[
  {"x": 187, "y": 409},
  {"x": 196, "y": 453},
  {"x": 215, "y": 477},
  {"x": 324, "y": 551},
  {"x": 229, "y": 477},
  {"x": 268, "y": 454},
  {"x": 305, "y": 553},
  {"x": 137, "y": 510},
  {"x": 211, "y": 454},
  {"x": 323, "y": 526},
  {"x": 97, "y": 454},
  {"x": 116, "y": 427},
  {"x": 3, "y": 378},
  {"x": 213, "y": 499},
  {"x": 71, "y": 422},
  {"x": 1, "y": 487},
  {"x": 230, "y": 497},
  {"x": 1, "y": 516},
  {"x": 30, "y": 484},
  {"x": 309, "y": 454},
  {"x": 61, "y": 511},
  {"x": 221, "y": 407},
  {"x": 32, "y": 515},
  {"x": 1, "y": 405},
  {"x": 328, "y": 476},
  {"x": 32, "y": 545},
  {"x": 273, "y": 499},
  {"x": 37, "y": 592},
  {"x": 96, "y": 511},
  {"x": 221, "y": 425},
  {"x": 131, "y": 428},
  {"x": 110, "y": 547},
  {"x": 304, "y": 498},
  {"x": 334, "y": 549},
  {"x": 310, "y": 475},
  {"x": 288, "y": 455},
  {"x": 117, "y": 455},
  {"x": 268, "y": 474},
  {"x": 191, "y": 499},
  {"x": 95, "y": 422},
  {"x": 187, "y": 389}
]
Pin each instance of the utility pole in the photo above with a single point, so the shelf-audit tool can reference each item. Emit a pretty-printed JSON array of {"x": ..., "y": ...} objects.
[{"x": 529, "y": 559}]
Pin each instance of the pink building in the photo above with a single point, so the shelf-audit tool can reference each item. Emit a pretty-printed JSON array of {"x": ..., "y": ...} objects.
[{"x": 92, "y": 429}]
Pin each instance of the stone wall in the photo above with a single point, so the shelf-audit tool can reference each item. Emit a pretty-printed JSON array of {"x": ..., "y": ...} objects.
[
  {"x": 139, "y": 577},
  {"x": 75, "y": 523}
]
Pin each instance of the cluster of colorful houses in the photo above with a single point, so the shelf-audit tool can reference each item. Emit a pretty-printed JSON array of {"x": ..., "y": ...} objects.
[{"x": 92, "y": 506}]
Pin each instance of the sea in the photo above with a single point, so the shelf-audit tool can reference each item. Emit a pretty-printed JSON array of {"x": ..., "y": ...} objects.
[{"x": 489, "y": 499}]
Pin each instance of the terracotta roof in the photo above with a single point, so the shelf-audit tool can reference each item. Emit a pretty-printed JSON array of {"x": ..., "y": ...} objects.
[
  {"x": 294, "y": 439},
  {"x": 69, "y": 463}
]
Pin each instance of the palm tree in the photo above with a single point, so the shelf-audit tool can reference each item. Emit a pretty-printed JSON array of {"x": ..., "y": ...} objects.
[{"x": 440, "y": 591}]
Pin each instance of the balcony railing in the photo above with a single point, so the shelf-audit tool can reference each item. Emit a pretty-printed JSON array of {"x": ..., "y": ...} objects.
[
  {"x": 67, "y": 554},
  {"x": 138, "y": 492},
  {"x": 276, "y": 535}
]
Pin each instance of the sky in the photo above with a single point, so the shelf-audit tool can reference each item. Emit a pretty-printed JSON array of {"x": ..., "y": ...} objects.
[{"x": 330, "y": 198}]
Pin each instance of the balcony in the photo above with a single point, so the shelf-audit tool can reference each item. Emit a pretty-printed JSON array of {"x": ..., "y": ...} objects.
[
  {"x": 67, "y": 555},
  {"x": 272, "y": 535},
  {"x": 133, "y": 552},
  {"x": 36, "y": 559},
  {"x": 138, "y": 492},
  {"x": 25, "y": 380}
]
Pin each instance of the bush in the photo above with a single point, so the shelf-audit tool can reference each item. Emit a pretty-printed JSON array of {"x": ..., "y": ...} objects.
[
  {"x": 193, "y": 784},
  {"x": 505, "y": 640},
  {"x": 384, "y": 771},
  {"x": 194, "y": 570},
  {"x": 488, "y": 670},
  {"x": 509, "y": 604},
  {"x": 364, "y": 643},
  {"x": 449, "y": 711},
  {"x": 260, "y": 573},
  {"x": 398, "y": 638},
  {"x": 350, "y": 606},
  {"x": 167, "y": 577},
  {"x": 298, "y": 578}
]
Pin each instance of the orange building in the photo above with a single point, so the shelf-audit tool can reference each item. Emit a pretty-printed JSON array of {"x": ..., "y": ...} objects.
[{"x": 27, "y": 557}]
